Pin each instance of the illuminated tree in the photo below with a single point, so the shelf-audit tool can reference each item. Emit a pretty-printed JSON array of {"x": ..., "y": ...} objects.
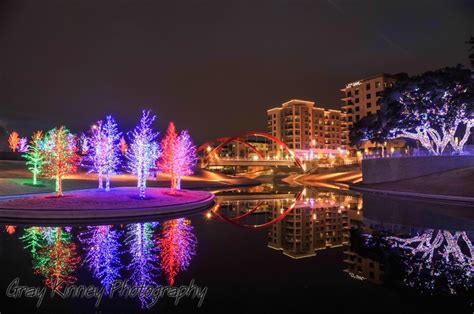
[
  {"x": 143, "y": 151},
  {"x": 84, "y": 143},
  {"x": 10, "y": 229},
  {"x": 178, "y": 156},
  {"x": 13, "y": 141},
  {"x": 23, "y": 145},
  {"x": 57, "y": 261},
  {"x": 437, "y": 258},
  {"x": 60, "y": 155},
  {"x": 168, "y": 163},
  {"x": 177, "y": 246},
  {"x": 123, "y": 146},
  {"x": 144, "y": 259},
  {"x": 102, "y": 247},
  {"x": 185, "y": 157},
  {"x": 33, "y": 239},
  {"x": 35, "y": 156},
  {"x": 104, "y": 151},
  {"x": 434, "y": 108}
]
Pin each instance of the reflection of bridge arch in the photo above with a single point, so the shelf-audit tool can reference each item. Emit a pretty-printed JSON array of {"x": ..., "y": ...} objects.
[
  {"x": 216, "y": 208},
  {"x": 240, "y": 139}
]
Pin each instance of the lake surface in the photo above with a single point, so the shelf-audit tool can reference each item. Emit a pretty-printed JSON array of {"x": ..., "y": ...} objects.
[{"x": 270, "y": 248}]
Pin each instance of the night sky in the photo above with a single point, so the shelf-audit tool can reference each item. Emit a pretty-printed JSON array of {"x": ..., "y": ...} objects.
[{"x": 213, "y": 67}]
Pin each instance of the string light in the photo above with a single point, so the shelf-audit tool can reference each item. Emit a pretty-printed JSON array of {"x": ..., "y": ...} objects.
[{"x": 143, "y": 151}]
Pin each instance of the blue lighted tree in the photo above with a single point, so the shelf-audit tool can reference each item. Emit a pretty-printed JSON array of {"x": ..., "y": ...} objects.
[
  {"x": 143, "y": 151},
  {"x": 102, "y": 248},
  {"x": 104, "y": 155},
  {"x": 144, "y": 258}
]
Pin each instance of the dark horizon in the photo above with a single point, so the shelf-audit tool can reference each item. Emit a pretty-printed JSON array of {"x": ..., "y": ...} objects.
[{"x": 212, "y": 67}]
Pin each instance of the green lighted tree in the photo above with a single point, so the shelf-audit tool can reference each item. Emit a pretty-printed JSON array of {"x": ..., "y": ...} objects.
[
  {"x": 35, "y": 155},
  {"x": 33, "y": 239}
]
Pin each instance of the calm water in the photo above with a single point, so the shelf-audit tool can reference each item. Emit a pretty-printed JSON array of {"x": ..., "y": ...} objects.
[{"x": 264, "y": 249}]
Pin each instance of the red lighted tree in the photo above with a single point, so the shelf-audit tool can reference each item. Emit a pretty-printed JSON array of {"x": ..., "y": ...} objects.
[
  {"x": 10, "y": 229},
  {"x": 14, "y": 141},
  {"x": 168, "y": 163},
  {"x": 178, "y": 156},
  {"x": 60, "y": 155},
  {"x": 57, "y": 261},
  {"x": 177, "y": 246}
]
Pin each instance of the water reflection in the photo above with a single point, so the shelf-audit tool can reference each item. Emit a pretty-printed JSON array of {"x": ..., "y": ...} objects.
[
  {"x": 298, "y": 222},
  {"x": 144, "y": 258},
  {"x": 301, "y": 223},
  {"x": 54, "y": 255},
  {"x": 102, "y": 248},
  {"x": 148, "y": 249}
]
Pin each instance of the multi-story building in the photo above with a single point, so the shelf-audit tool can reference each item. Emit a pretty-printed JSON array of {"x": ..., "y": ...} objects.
[
  {"x": 360, "y": 97},
  {"x": 364, "y": 268},
  {"x": 315, "y": 223},
  {"x": 360, "y": 100},
  {"x": 305, "y": 127}
]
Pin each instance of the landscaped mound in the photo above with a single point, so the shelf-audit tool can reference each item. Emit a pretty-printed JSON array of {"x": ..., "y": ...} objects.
[{"x": 119, "y": 202}]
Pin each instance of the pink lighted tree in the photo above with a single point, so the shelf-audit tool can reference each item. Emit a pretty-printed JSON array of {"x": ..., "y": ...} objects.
[
  {"x": 167, "y": 162},
  {"x": 178, "y": 157}
]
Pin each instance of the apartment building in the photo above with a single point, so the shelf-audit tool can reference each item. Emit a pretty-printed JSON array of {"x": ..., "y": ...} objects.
[
  {"x": 305, "y": 127},
  {"x": 360, "y": 97}
]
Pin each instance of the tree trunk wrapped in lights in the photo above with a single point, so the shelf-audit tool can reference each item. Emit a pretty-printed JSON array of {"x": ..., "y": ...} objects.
[
  {"x": 60, "y": 155},
  {"x": 143, "y": 151}
]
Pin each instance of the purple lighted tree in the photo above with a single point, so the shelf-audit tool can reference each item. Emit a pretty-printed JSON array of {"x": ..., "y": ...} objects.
[
  {"x": 104, "y": 151},
  {"x": 143, "y": 151},
  {"x": 144, "y": 261},
  {"x": 102, "y": 247},
  {"x": 23, "y": 145},
  {"x": 185, "y": 157}
]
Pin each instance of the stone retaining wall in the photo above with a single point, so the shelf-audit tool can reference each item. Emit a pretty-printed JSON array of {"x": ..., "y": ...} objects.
[{"x": 393, "y": 169}]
